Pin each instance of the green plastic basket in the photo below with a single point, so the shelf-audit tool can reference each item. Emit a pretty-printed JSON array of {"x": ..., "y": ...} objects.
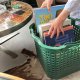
[{"x": 58, "y": 61}]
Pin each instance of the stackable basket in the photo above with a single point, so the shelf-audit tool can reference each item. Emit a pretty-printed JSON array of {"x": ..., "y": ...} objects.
[{"x": 58, "y": 61}]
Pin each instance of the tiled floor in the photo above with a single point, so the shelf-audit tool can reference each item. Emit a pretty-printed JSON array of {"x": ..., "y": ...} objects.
[
  {"x": 39, "y": 72},
  {"x": 32, "y": 70}
]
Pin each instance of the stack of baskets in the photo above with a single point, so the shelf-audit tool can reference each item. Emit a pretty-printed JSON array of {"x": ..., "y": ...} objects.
[{"x": 58, "y": 61}]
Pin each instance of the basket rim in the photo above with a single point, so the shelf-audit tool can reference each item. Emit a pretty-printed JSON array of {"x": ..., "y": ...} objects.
[
  {"x": 37, "y": 39},
  {"x": 50, "y": 47}
]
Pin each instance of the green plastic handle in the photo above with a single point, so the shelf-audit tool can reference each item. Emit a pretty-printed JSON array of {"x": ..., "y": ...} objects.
[
  {"x": 75, "y": 19},
  {"x": 37, "y": 39},
  {"x": 68, "y": 45}
]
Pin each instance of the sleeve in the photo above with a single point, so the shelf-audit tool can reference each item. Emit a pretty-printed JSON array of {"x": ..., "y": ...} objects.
[{"x": 72, "y": 5}]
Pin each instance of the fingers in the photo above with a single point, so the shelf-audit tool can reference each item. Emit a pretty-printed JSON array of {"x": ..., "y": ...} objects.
[
  {"x": 49, "y": 2},
  {"x": 58, "y": 32},
  {"x": 53, "y": 33},
  {"x": 55, "y": 30},
  {"x": 43, "y": 5},
  {"x": 50, "y": 30},
  {"x": 48, "y": 6},
  {"x": 61, "y": 28}
]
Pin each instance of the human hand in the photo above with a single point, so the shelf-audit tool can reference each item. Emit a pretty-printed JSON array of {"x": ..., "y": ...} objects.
[
  {"x": 56, "y": 28},
  {"x": 47, "y": 3}
]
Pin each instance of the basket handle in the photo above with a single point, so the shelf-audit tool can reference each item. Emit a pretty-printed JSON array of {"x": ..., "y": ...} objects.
[
  {"x": 68, "y": 45},
  {"x": 37, "y": 39},
  {"x": 73, "y": 20}
]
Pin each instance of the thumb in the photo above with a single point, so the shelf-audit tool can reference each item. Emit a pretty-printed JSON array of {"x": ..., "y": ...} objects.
[{"x": 48, "y": 6}]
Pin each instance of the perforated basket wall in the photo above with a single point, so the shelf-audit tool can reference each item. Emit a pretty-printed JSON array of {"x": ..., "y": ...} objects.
[{"x": 58, "y": 61}]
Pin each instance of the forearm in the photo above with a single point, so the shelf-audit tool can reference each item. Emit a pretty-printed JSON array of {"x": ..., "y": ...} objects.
[{"x": 62, "y": 16}]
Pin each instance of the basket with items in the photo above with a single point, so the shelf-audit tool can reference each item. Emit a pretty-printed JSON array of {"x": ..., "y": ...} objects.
[{"x": 59, "y": 57}]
